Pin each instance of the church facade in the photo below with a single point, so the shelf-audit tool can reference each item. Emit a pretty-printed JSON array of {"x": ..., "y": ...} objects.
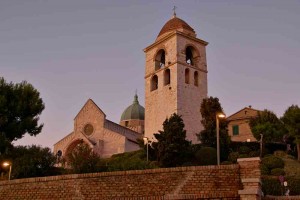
[
  {"x": 103, "y": 136},
  {"x": 175, "y": 82}
]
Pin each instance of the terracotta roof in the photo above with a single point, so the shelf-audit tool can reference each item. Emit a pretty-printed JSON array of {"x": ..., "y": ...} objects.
[{"x": 174, "y": 24}]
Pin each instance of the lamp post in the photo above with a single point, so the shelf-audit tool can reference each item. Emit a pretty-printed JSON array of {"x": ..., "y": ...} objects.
[
  {"x": 146, "y": 141},
  {"x": 261, "y": 144},
  {"x": 6, "y": 164},
  {"x": 218, "y": 115}
]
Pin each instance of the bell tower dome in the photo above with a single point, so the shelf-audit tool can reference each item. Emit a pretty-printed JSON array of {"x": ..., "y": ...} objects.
[{"x": 175, "y": 78}]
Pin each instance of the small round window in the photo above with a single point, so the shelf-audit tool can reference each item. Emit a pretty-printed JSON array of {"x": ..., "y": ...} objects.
[{"x": 88, "y": 129}]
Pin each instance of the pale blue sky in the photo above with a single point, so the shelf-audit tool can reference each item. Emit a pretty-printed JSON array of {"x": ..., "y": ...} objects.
[{"x": 72, "y": 50}]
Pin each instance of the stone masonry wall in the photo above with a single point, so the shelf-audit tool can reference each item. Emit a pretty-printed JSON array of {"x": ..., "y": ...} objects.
[
  {"x": 230, "y": 182},
  {"x": 172, "y": 183}
]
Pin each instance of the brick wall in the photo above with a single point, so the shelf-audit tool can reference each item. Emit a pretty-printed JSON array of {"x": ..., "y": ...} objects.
[{"x": 201, "y": 182}]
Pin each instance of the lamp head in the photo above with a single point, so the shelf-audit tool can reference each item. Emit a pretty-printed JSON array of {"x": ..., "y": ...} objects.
[
  {"x": 6, "y": 164},
  {"x": 221, "y": 115},
  {"x": 145, "y": 140}
]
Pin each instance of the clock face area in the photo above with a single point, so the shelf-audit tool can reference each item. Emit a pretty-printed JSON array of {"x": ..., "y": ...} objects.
[{"x": 88, "y": 129}]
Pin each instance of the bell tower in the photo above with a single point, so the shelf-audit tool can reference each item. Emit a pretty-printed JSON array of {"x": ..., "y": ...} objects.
[{"x": 175, "y": 78}]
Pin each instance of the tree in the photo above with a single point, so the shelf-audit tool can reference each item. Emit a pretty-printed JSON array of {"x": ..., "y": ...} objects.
[
  {"x": 30, "y": 161},
  {"x": 267, "y": 123},
  {"x": 172, "y": 148},
  {"x": 82, "y": 159},
  {"x": 20, "y": 108},
  {"x": 210, "y": 107},
  {"x": 291, "y": 120}
]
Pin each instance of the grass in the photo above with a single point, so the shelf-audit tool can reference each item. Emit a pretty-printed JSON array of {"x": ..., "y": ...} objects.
[{"x": 291, "y": 165}]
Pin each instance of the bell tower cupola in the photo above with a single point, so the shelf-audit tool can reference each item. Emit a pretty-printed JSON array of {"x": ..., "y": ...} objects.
[{"x": 175, "y": 78}]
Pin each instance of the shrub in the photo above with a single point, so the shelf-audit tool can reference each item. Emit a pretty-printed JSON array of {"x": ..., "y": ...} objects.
[
  {"x": 206, "y": 156},
  {"x": 273, "y": 162},
  {"x": 271, "y": 186},
  {"x": 277, "y": 172},
  {"x": 233, "y": 156},
  {"x": 244, "y": 156},
  {"x": 244, "y": 150},
  {"x": 235, "y": 146},
  {"x": 254, "y": 153},
  {"x": 294, "y": 186},
  {"x": 129, "y": 161},
  {"x": 264, "y": 169},
  {"x": 226, "y": 163}
]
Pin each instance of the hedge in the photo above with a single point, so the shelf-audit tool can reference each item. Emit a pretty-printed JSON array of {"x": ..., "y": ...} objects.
[{"x": 271, "y": 186}]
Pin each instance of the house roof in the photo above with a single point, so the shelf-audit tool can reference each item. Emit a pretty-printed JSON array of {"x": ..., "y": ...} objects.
[{"x": 244, "y": 113}]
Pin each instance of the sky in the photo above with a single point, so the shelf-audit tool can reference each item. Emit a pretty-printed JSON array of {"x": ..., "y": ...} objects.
[{"x": 73, "y": 50}]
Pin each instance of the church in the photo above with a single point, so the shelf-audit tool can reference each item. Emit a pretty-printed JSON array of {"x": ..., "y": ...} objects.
[{"x": 175, "y": 82}]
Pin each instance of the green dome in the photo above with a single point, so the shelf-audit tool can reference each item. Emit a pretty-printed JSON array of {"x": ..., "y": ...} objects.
[{"x": 134, "y": 111}]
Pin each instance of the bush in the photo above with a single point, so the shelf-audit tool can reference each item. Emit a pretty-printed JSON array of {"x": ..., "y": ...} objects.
[
  {"x": 254, "y": 154},
  {"x": 277, "y": 172},
  {"x": 244, "y": 156},
  {"x": 264, "y": 170},
  {"x": 206, "y": 156},
  {"x": 294, "y": 186},
  {"x": 233, "y": 156},
  {"x": 273, "y": 162},
  {"x": 244, "y": 150},
  {"x": 253, "y": 146},
  {"x": 129, "y": 161},
  {"x": 271, "y": 186},
  {"x": 226, "y": 163},
  {"x": 272, "y": 147}
]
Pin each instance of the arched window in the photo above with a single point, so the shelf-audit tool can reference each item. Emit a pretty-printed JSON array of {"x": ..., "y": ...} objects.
[
  {"x": 154, "y": 83},
  {"x": 160, "y": 59},
  {"x": 167, "y": 77},
  {"x": 190, "y": 55},
  {"x": 187, "y": 76},
  {"x": 196, "y": 78}
]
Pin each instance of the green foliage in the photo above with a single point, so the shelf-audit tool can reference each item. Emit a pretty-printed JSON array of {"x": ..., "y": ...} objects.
[
  {"x": 254, "y": 154},
  {"x": 291, "y": 120},
  {"x": 226, "y": 163},
  {"x": 272, "y": 162},
  {"x": 82, "y": 159},
  {"x": 172, "y": 149},
  {"x": 294, "y": 185},
  {"x": 206, "y": 156},
  {"x": 129, "y": 161},
  {"x": 271, "y": 186},
  {"x": 20, "y": 108},
  {"x": 31, "y": 161},
  {"x": 233, "y": 156},
  {"x": 277, "y": 172},
  {"x": 210, "y": 107},
  {"x": 264, "y": 170},
  {"x": 269, "y": 125},
  {"x": 244, "y": 156},
  {"x": 244, "y": 150}
]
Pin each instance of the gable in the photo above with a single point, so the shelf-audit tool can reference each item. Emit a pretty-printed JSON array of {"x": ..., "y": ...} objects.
[
  {"x": 90, "y": 114},
  {"x": 90, "y": 105},
  {"x": 245, "y": 113}
]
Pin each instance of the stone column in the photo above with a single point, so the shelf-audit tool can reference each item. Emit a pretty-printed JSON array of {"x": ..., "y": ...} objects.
[{"x": 250, "y": 178}]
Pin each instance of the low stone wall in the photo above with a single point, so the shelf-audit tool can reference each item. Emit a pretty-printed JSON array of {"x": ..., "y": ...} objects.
[
  {"x": 200, "y": 182},
  {"x": 269, "y": 197}
]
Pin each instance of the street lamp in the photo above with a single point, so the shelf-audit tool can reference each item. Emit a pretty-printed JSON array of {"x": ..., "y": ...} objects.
[
  {"x": 6, "y": 164},
  {"x": 146, "y": 142},
  {"x": 218, "y": 115}
]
